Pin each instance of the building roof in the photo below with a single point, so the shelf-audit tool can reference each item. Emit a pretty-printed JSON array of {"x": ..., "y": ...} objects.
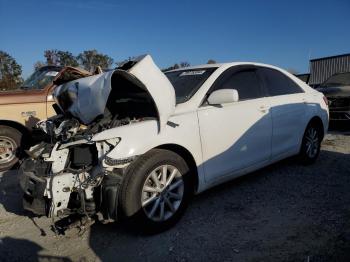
[
  {"x": 323, "y": 68},
  {"x": 329, "y": 57}
]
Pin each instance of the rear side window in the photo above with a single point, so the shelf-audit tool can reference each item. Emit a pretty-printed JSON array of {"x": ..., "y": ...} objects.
[
  {"x": 279, "y": 84},
  {"x": 245, "y": 82}
]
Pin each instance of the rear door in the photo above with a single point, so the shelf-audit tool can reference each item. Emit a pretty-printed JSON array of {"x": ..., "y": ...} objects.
[
  {"x": 288, "y": 107},
  {"x": 235, "y": 135}
]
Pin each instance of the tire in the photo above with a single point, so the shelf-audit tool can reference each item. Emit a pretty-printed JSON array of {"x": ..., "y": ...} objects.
[
  {"x": 10, "y": 141},
  {"x": 136, "y": 202},
  {"x": 311, "y": 144}
]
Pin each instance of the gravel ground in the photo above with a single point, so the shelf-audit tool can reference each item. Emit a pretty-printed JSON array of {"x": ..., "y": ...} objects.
[{"x": 285, "y": 212}]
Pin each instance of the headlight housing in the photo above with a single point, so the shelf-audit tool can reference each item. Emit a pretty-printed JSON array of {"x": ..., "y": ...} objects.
[{"x": 120, "y": 161}]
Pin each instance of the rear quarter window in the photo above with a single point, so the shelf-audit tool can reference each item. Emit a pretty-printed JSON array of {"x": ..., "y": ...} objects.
[{"x": 278, "y": 83}]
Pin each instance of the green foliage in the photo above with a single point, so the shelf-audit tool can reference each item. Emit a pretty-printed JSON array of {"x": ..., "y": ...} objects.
[
  {"x": 90, "y": 59},
  {"x": 57, "y": 58},
  {"x": 184, "y": 64},
  {"x": 176, "y": 66},
  {"x": 10, "y": 72}
]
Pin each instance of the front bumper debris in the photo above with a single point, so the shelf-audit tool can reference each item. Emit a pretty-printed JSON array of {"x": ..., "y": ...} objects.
[{"x": 33, "y": 184}]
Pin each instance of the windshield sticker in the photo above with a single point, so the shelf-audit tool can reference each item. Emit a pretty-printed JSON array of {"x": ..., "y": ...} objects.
[
  {"x": 192, "y": 73},
  {"x": 51, "y": 73}
]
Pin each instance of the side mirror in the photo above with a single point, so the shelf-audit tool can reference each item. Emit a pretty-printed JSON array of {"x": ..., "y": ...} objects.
[{"x": 223, "y": 96}]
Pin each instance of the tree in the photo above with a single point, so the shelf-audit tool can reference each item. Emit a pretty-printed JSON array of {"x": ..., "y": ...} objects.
[
  {"x": 10, "y": 72},
  {"x": 38, "y": 65},
  {"x": 176, "y": 66},
  {"x": 184, "y": 64},
  {"x": 57, "y": 58},
  {"x": 90, "y": 59},
  {"x": 66, "y": 58},
  {"x": 211, "y": 61}
]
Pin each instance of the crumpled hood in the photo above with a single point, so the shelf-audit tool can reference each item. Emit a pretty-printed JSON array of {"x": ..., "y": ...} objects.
[{"x": 89, "y": 95}]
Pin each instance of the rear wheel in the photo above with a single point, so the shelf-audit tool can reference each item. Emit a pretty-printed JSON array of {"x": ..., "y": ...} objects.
[
  {"x": 10, "y": 140},
  {"x": 311, "y": 144},
  {"x": 156, "y": 191}
]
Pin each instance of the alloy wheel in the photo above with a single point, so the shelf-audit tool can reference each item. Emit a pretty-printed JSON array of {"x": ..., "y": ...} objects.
[
  {"x": 312, "y": 142},
  {"x": 162, "y": 193}
]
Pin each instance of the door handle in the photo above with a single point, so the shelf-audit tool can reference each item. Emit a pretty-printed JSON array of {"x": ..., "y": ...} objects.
[{"x": 264, "y": 109}]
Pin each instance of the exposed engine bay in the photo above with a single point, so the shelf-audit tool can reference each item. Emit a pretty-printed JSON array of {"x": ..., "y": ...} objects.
[{"x": 69, "y": 172}]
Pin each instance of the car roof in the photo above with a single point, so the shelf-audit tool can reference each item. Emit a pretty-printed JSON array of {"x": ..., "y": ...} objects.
[{"x": 224, "y": 65}]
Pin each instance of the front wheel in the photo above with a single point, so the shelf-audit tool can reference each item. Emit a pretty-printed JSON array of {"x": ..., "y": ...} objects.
[
  {"x": 311, "y": 144},
  {"x": 156, "y": 191}
]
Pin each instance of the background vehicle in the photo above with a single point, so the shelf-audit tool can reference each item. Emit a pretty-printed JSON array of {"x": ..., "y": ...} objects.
[
  {"x": 149, "y": 140},
  {"x": 21, "y": 109},
  {"x": 337, "y": 90}
]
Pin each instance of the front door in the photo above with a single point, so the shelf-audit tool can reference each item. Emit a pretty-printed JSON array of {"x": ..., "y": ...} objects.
[{"x": 237, "y": 135}]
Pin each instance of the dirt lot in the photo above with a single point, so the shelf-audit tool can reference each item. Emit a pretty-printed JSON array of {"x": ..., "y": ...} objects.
[{"x": 286, "y": 212}]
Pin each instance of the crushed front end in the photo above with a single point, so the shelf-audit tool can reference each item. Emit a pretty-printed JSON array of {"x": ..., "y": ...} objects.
[
  {"x": 69, "y": 176},
  {"x": 98, "y": 131}
]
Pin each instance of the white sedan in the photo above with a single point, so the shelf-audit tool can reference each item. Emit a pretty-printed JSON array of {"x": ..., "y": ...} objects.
[{"x": 137, "y": 143}]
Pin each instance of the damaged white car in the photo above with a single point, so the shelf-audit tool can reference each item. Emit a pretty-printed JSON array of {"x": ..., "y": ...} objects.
[{"x": 138, "y": 143}]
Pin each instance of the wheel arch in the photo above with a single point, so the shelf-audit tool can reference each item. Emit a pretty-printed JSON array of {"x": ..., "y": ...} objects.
[
  {"x": 317, "y": 121},
  {"x": 21, "y": 128},
  {"x": 187, "y": 156}
]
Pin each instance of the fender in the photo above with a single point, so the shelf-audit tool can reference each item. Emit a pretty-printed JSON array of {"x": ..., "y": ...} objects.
[{"x": 135, "y": 139}]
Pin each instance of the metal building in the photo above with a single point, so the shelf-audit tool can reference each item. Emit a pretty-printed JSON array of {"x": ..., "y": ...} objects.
[{"x": 322, "y": 68}]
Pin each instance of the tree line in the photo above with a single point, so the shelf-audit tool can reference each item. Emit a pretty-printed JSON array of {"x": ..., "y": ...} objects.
[{"x": 11, "y": 71}]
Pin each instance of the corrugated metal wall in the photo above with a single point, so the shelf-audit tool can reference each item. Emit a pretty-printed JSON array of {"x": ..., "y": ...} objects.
[{"x": 322, "y": 69}]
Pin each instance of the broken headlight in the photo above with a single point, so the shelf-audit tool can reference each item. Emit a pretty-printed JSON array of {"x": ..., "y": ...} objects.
[{"x": 120, "y": 161}]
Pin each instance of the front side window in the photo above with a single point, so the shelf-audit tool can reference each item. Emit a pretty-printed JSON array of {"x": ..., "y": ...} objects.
[
  {"x": 278, "y": 84},
  {"x": 245, "y": 82}
]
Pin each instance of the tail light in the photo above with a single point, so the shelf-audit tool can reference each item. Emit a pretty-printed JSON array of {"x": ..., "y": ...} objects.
[{"x": 325, "y": 100}]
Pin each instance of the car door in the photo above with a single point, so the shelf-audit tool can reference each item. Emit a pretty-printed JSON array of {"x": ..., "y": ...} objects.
[
  {"x": 235, "y": 135},
  {"x": 288, "y": 105}
]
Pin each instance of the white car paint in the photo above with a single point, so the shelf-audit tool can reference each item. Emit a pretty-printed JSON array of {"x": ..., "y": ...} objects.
[
  {"x": 223, "y": 96},
  {"x": 234, "y": 136},
  {"x": 225, "y": 141}
]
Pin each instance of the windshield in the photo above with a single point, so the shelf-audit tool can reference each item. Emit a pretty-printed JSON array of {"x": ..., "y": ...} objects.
[
  {"x": 41, "y": 78},
  {"x": 187, "y": 82},
  {"x": 342, "y": 79}
]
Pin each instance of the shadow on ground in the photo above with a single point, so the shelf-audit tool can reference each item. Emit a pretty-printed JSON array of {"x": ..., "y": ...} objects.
[
  {"x": 10, "y": 192},
  {"x": 12, "y": 249},
  {"x": 285, "y": 212}
]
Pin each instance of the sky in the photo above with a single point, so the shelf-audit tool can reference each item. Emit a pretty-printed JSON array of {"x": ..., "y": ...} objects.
[{"x": 282, "y": 33}]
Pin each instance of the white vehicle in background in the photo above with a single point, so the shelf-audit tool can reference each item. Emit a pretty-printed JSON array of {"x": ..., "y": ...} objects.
[{"x": 137, "y": 143}]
